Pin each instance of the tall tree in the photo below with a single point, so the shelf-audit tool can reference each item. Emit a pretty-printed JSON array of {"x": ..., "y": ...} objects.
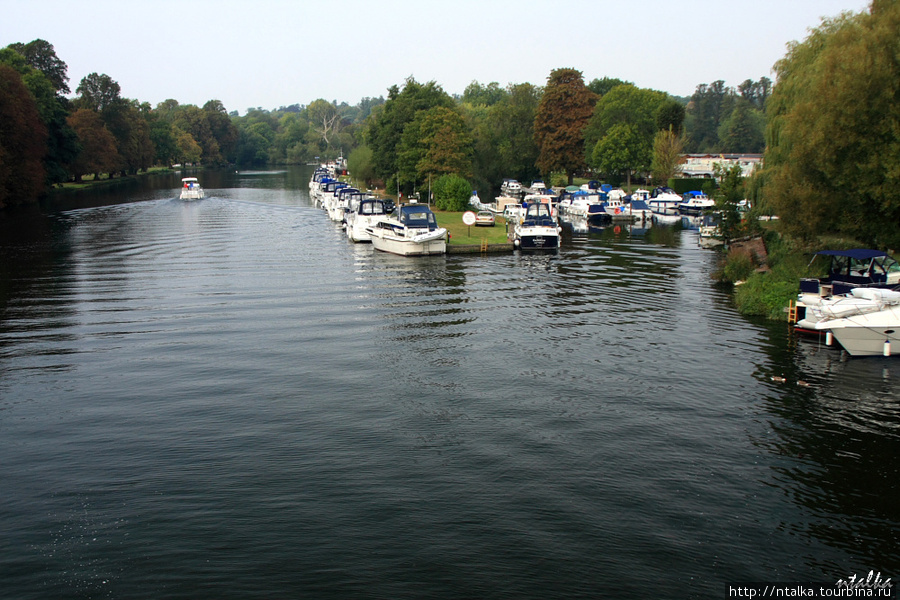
[
  {"x": 385, "y": 127},
  {"x": 709, "y": 106},
  {"x": 97, "y": 92},
  {"x": 667, "y": 149},
  {"x": 833, "y": 136},
  {"x": 564, "y": 110},
  {"x": 437, "y": 142},
  {"x": 98, "y": 146},
  {"x": 23, "y": 141},
  {"x": 41, "y": 55}
]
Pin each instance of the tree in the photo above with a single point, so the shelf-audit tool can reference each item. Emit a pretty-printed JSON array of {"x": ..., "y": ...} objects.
[
  {"x": 223, "y": 130},
  {"x": 452, "y": 192},
  {"x": 41, "y": 55},
  {"x": 97, "y": 92},
  {"x": 62, "y": 144},
  {"x": 728, "y": 196},
  {"x": 23, "y": 141},
  {"x": 629, "y": 114},
  {"x": 436, "y": 142},
  {"x": 708, "y": 107},
  {"x": 484, "y": 95},
  {"x": 385, "y": 127},
  {"x": 559, "y": 123},
  {"x": 744, "y": 130},
  {"x": 623, "y": 150},
  {"x": 833, "y": 136},
  {"x": 98, "y": 146},
  {"x": 602, "y": 86},
  {"x": 667, "y": 149}
]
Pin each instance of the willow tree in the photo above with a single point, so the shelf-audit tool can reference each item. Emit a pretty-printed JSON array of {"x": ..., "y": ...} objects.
[
  {"x": 833, "y": 137},
  {"x": 564, "y": 111}
]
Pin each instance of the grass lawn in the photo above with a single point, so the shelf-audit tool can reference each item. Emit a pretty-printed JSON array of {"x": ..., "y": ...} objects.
[{"x": 461, "y": 234}]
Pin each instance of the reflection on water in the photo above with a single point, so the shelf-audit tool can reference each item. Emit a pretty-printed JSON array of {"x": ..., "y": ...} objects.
[{"x": 230, "y": 393}]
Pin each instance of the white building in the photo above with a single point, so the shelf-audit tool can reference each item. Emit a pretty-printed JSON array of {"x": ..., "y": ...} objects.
[{"x": 703, "y": 165}]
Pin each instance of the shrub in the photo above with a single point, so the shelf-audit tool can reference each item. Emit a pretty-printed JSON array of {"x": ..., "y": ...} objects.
[
  {"x": 738, "y": 266},
  {"x": 451, "y": 193}
]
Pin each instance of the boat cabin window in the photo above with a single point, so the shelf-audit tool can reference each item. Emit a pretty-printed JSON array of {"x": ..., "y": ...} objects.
[{"x": 418, "y": 218}]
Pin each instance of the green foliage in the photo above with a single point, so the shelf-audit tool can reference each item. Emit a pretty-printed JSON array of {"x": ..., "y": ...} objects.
[
  {"x": 623, "y": 150},
  {"x": 680, "y": 185},
  {"x": 727, "y": 197},
  {"x": 738, "y": 266},
  {"x": 765, "y": 295},
  {"x": 451, "y": 192},
  {"x": 385, "y": 130},
  {"x": 833, "y": 139},
  {"x": 667, "y": 149},
  {"x": 360, "y": 164},
  {"x": 436, "y": 142}
]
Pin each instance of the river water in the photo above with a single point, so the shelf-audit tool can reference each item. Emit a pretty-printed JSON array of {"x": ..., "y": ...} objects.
[{"x": 227, "y": 399}]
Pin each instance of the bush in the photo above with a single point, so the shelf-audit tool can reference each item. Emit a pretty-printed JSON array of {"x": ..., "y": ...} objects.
[
  {"x": 762, "y": 294},
  {"x": 451, "y": 193},
  {"x": 738, "y": 266}
]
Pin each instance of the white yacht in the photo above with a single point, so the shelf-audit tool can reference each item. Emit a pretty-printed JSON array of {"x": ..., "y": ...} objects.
[
  {"x": 362, "y": 215},
  {"x": 411, "y": 231},
  {"x": 190, "y": 189}
]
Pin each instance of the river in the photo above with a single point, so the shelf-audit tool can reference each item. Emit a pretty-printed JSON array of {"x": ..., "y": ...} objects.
[{"x": 227, "y": 399}]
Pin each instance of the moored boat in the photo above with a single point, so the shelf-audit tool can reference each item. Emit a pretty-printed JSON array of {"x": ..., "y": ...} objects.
[
  {"x": 411, "y": 231},
  {"x": 361, "y": 216},
  {"x": 694, "y": 203},
  {"x": 538, "y": 229},
  {"x": 865, "y": 323}
]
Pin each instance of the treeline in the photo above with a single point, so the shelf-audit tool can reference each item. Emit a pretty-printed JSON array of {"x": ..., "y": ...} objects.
[{"x": 418, "y": 133}]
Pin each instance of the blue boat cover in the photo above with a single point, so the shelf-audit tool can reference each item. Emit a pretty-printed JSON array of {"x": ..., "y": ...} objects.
[{"x": 857, "y": 254}]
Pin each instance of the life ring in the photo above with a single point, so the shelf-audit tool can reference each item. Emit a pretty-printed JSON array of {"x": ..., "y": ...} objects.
[{"x": 617, "y": 230}]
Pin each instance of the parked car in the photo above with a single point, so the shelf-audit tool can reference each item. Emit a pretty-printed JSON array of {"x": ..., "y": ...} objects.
[{"x": 484, "y": 217}]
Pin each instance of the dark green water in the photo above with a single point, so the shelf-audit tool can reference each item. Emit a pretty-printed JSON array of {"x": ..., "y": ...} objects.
[{"x": 226, "y": 399}]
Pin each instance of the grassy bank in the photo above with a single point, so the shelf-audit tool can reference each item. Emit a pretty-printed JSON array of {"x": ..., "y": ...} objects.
[
  {"x": 461, "y": 234},
  {"x": 766, "y": 292}
]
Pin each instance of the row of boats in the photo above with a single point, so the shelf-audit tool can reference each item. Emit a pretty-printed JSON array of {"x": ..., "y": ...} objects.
[
  {"x": 856, "y": 303},
  {"x": 408, "y": 230}
]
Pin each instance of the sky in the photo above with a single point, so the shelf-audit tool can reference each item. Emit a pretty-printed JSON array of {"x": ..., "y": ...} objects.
[{"x": 274, "y": 53}]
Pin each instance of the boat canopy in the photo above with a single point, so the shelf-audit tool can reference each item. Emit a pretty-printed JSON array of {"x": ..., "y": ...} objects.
[
  {"x": 856, "y": 254},
  {"x": 418, "y": 215}
]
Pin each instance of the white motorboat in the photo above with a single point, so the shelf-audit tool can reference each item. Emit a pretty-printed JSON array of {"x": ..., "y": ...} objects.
[
  {"x": 361, "y": 216},
  {"x": 411, "y": 231},
  {"x": 847, "y": 269},
  {"x": 190, "y": 189},
  {"x": 865, "y": 323},
  {"x": 695, "y": 203},
  {"x": 664, "y": 201},
  {"x": 538, "y": 229},
  {"x": 583, "y": 204}
]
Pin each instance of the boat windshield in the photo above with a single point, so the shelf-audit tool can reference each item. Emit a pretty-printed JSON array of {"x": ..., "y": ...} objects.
[{"x": 418, "y": 216}]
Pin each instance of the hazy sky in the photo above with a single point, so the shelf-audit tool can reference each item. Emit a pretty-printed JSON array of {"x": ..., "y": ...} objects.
[{"x": 273, "y": 53}]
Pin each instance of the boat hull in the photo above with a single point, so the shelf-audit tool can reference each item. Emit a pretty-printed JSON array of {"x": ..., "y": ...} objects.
[
  {"x": 420, "y": 245},
  {"x": 533, "y": 238}
]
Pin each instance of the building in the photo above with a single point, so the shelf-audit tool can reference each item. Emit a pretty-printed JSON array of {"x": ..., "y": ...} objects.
[{"x": 703, "y": 165}]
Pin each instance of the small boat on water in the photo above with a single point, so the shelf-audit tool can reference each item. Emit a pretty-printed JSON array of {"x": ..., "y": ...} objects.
[
  {"x": 411, "y": 231},
  {"x": 190, "y": 189},
  {"x": 538, "y": 229}
]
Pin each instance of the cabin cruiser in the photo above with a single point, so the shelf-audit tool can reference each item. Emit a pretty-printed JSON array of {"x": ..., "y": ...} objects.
[
  {"x": 583, "y": 204},
  {"x": 190, "y": 189},
  {"x": 361, "y": 215},
  {"x": 664, "y": 201},
  {"x": 694, "y": 203},
  {"x": 411, "y": 230},
  {"x": 537, "y": 230},
  {"x": 847, "y": 269},
  {"x": 866, "y": 322}
]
